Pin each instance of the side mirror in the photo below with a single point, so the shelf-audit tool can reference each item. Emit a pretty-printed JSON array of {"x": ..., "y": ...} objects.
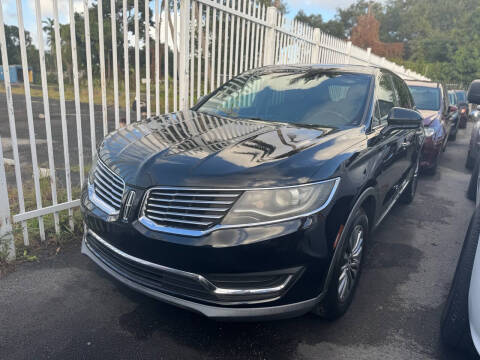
[
  {"x": 452, "y": 108},
  {"x": 478, "y": 107},
  {"x": 474, "y": 92},
  {"x": 402, "y": 118}
]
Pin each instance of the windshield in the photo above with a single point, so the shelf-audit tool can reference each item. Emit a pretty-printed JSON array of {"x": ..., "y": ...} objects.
[
  {"x": 319, "y": 98},
  {"x": 426, "y": 98},
  {"x": 461, "y": 96}
]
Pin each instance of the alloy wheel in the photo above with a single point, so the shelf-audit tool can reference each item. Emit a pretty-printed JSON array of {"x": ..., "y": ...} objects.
[{"x": 350, "y": 268}]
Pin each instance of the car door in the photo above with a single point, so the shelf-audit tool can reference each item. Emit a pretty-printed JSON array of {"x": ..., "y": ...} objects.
[
  {"x": 383, "y": 144},
  {"x": 406, "y": 152}
]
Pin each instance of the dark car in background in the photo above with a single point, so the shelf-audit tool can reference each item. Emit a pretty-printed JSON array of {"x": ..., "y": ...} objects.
[
  {"x": 259, "y": 201},
  {"x": 431, "y": 100},
  {"x": 462, "y": 105},
  {"x": 452, "y": 97}
]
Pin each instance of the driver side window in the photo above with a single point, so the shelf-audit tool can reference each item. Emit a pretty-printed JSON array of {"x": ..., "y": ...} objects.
[{"x": 385, "y": 99}]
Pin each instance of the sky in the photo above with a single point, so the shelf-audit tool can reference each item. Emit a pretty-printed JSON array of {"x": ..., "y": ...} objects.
[{"x": 326, "y": 8}]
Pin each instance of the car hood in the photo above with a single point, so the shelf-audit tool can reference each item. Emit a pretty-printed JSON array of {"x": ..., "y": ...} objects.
[
  {"x": 195, "y": 149},
  {"x": 429, "y": 116}
]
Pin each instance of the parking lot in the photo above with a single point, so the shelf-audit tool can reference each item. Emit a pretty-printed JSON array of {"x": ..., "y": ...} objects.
[{"x": 64, "y": 307}]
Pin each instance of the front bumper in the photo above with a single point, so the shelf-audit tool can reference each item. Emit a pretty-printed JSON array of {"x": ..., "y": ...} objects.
[
  {"x": 217, "y": 312},
  {"x": 289, "y": 259},
  {"x": 430, "y": 152}
]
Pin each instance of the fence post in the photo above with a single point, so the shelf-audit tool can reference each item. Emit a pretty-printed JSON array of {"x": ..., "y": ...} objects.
[
  {"x": 269, "y": 49},
  {"x": 184, "y": 69},
  {"x": 316, "y": 48},
  {"x": 7, "y": 243},
  {"x": 349, "y": 51},
  {"x": 369, "y": 54}
]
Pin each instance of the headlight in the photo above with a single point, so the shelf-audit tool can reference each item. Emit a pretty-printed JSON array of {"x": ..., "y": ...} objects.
[
  {"x": 273, "y": 205},
  {"x": 463, "y": 111},
  {"x": 429, "y": 132}
]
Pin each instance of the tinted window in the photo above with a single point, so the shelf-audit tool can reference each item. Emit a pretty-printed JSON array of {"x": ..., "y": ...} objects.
[
  {"x": 426, "y": 98},
  {"x": 403, "y": 93},
  {"x": 385, "y": 95},
  {"x": 319, "y": 97}
]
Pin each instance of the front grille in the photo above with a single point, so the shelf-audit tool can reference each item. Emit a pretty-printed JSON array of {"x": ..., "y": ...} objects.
[
  {"x": 194, "y": 209},
  {"x": 148, "y": 276},
  {"x": 108, "y": 186}
]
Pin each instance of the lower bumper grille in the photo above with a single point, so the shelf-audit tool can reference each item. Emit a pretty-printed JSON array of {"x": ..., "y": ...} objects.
[{"x": 220, "y": 289}]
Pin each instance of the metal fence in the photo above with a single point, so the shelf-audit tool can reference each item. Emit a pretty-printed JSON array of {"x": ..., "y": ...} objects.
[{"x": 201, "y": 43}]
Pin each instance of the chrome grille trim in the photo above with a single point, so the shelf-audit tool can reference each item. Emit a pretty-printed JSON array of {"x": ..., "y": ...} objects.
[
  {"x": 175, "y": 229},
  {"x": 191, "y": 209},
  {"x": 107, "y": 189}
]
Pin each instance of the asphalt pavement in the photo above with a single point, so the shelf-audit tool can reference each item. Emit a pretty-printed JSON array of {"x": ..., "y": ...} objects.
[{"x": 66, "y": 308}]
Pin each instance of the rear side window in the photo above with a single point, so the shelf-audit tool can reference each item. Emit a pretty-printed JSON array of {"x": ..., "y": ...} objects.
[
  {"x": 385, "y": 95},
  {"x": 403, "y": 94}
]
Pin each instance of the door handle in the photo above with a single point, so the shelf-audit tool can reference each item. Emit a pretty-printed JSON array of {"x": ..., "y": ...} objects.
[{"x": 406, "y": 144}]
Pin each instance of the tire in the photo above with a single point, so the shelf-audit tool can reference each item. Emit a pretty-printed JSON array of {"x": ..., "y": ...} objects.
[
  {"x": 455, "y": 326},
  {"x": 470, "y": 162},
  {"x": 336, "y": 302},
  {"x": 409, "y": 193},
  {"x": 472, "y": 185}
]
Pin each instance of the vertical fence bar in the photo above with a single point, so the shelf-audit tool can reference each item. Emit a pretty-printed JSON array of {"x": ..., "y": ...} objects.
[
  {"x": 63, "y": 112},
  {"x": 184, "y": 54},
  {"x": 225, "y": 47},
  {"x": 88, "y": 53},
  {"x": 219, "y": 52},
  {"x": 136, "y": 15},
  {"x": 46, "y": 110},
  {"x": 214, "y": 39},
  {"x": 192, "y": 54},
  {"x": 166, "y": 14},
  {"x": 237, "y": 38},
  {"x": 207, "y": 46},
  {"x": 103, "y": 83},
  {"x": 232, "y": 34},
  {"x": 199, "y": 53},
  {"x": 242, "y": 40},
  {"x": 157, "y": 58},
  {"x": 113, "y": 15},
  {"x": 11, "y": 122},
  {"x": 175, "y": 55},
  {"x": 7, "y": 241},
  {"x": 76, "y": 90},
  {"x": 269, "y": 53},
  {"x": 147, "y": 54},
  {"x": 247, "y": 44},
  {"x": 126, "y": 68},
  {"x": 31, "y": 130}
]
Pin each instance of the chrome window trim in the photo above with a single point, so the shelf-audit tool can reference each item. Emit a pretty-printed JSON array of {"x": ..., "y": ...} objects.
[
  {"x": 196, "y": 233},
  {"x": 209, "y": 286},
  {"x": 107, "y": 208}
]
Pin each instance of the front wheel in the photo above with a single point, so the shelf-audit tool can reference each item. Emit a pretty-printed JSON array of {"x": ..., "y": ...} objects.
[{"x": 347, "y": 269}]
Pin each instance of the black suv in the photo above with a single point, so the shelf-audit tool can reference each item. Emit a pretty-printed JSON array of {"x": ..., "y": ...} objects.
[{"x": 257, "y": 202}]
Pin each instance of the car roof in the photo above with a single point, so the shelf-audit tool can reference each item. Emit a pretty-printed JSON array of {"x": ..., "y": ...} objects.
[
  {"x": 362, "y": 69},
  {"x": 429, "y": 84}
]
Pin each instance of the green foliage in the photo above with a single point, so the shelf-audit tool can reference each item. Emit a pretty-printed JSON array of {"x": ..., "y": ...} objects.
[{"x": 439, "y": 35}]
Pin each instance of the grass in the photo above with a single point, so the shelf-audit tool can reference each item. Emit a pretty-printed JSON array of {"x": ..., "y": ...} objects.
[
  {"x": 54, "y": 241},
  {"x": 53, "y": 93}
]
